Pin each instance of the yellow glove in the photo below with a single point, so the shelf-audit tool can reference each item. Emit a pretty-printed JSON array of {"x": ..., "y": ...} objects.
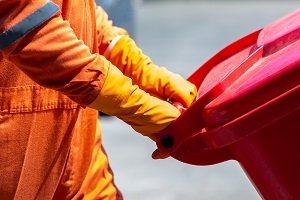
[
  {"x": 145, "y": 113},
  {"x": 157, "y": 81}
]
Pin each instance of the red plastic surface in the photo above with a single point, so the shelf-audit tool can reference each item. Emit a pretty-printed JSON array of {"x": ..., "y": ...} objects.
[
  {"x": 269, "y": 154},
  {"x": 186, "y": 131},
  {"x": 248, "y": 109},
  {"x": 239, "y": 78}
]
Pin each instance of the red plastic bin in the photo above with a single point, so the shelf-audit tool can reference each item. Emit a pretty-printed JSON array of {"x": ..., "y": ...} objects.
[{"x": 248, "y": 109}]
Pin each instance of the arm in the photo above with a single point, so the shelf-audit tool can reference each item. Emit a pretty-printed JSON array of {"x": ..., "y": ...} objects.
[
  {"x": 50, "y": 53},
  {"x": 117, "y": 46}
]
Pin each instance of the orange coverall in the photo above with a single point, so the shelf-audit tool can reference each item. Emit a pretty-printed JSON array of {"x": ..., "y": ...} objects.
[{"x": 50, "y": 145}]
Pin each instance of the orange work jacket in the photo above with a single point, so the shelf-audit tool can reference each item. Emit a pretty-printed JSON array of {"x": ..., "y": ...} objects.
[{"x": 50, "y": 146}]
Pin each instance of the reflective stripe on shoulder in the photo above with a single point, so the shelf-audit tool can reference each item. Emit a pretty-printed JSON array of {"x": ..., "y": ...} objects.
[{"x": 28, "y": 24}]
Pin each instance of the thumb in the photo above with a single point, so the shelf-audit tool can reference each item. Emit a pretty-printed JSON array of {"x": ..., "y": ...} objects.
[{"x": 157, "y": 154}]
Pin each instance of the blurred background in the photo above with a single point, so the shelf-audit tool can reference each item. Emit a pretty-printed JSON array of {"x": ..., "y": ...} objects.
[{"x": 181, "y": 35}]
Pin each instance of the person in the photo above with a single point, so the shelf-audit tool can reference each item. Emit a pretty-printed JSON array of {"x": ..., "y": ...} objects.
[{"x": 62, "y": 61}]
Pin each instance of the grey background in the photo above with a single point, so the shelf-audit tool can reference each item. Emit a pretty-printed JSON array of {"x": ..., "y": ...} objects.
[{"x": 181, "y": 36}]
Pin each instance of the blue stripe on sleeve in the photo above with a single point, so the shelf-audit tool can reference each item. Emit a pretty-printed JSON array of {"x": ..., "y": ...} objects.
[{"x": 28, "y": 24}]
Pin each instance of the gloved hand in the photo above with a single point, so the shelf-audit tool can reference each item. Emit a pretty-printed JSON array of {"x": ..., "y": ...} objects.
[
  {"x": 157, "y": 81},
  {"x": 145, "y": 113}
]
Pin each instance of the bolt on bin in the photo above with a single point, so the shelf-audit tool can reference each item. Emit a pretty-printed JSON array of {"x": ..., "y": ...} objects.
[{"x": 248, "y": 110}]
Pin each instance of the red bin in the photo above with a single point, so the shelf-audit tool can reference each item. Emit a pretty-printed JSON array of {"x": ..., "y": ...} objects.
[{"x": 248, "y": 109}]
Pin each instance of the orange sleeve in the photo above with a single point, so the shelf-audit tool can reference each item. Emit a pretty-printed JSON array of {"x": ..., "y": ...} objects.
[{"x": 49, "y": 52}]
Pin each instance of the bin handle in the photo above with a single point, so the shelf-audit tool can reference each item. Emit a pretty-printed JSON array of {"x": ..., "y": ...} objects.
[
  {"x": 169, "y": 140},
  {"x": 184, "y": 141}
]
